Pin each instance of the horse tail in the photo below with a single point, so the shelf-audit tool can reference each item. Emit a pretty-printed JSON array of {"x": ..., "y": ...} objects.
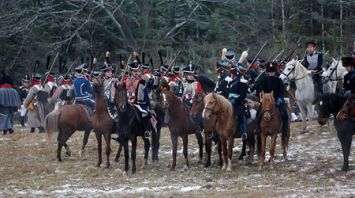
[{"x": 51, "y": 123}]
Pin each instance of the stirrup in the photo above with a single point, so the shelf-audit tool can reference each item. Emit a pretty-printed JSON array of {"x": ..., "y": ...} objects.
[{"x": 244, "y": 136}]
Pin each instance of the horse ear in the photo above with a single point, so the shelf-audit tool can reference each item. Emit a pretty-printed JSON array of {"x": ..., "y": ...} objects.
[{"x": 272, "y": 93}]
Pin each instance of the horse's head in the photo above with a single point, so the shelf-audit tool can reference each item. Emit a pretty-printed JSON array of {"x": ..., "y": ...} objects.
[
  {"x": 212, "y": 105},
  {"x": 329, "y": 104},
  {"x": 98, "y": 86},
  {"x": 166, "y": 99},
  {"x": 197, "y": 104},
  {"x": 267, "y": 105},
  {"x": 347, "y": 110},
  {"x": 289, "y": 71},
  {"x": 121, "y": 98}
]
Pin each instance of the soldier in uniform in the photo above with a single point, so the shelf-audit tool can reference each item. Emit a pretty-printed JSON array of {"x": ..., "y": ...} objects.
[
  {"x": 132, "y": 81},
  {"x": 35, "y": 112},
  {"x": 83, "y": 88},
  {"x": 313, "y": 62},
  {"x": 223, "y": 67},
  {"x": 109, "y": 88},
  {"x": 9, "y": 101},
  {"x": 175, "y": 82},
  {"x": 238, "y": 89},
  {"x": 23, "y": 92},
  {"x": 50, "y": 86},
  {"x": 349, "y": 78},
  {"x": 190, "y": 85},
  {"x": 272, "y": 83}
]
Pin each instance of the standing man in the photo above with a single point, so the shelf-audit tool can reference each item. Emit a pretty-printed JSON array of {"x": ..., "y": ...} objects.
[
  {"x": 313, "y": 62},
  {"x": 23, "y": 92}
]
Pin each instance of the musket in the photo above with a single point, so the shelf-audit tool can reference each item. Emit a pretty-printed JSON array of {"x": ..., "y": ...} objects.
[
  {"x": 278, "y": 55},
  {"x": 70, "y": 68},
  {"x": 35, "y": 69},
  {"x": 50, "y": 69},
  {"x": 171, "y": 64},
  {"x": 291, "y": 52},
  {"x": 256, "y": 56},
  {"x": 125, "y": 69}
]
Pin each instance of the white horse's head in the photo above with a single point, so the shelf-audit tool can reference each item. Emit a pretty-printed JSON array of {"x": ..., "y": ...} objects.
[
  {"x": 335, "y": 71},
  {"x": 293, "y": 71}
]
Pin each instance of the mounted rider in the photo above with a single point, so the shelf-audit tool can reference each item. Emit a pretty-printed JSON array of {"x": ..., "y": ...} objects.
[
  {"x": 238, "y": 89},
  {"x": 175, "y": 81},
  {"x": 349, "y": 78},
  {"x": 313, "y": 62},
  {"x": 83, "y": 88},
  {"x": 223, "y": 69},
  {"x": 190, "y": 85},
  {"x": 272, "y": 83},
  {"x": 132, "y": 81}
]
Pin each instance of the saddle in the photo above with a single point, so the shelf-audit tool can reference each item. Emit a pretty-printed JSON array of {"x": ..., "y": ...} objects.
[{"x": 87, "y": 109}]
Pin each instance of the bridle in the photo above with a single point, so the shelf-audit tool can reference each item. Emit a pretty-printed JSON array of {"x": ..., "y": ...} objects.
[
  {"x": 335, "y": 69},
  {"x": 293, "y": 70},
  {"x": 268, "y": 110}
]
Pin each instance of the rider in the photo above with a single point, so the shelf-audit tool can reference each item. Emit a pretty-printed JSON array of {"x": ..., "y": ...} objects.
[
  {"x": 190, "y": 85},
  {"x": 132, "y": 81},
  {"x": 274, "y": 84},
  {"x": 143, "y": 104},
  {"x": 82, "y": 87},
  {"x": 175, "y": 82},
  {"x": 238, "y": 89},
  {"x": 109, "y": 82},
  {"x": 349, "y": 78},
  {"x": 223, "y": 67},
  {"x": 313, "y": 62}
]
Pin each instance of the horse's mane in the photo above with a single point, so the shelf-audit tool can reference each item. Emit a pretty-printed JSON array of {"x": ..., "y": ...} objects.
[
  {"x": 224, "y": 104},
  {"x": 335, "y": 101}
]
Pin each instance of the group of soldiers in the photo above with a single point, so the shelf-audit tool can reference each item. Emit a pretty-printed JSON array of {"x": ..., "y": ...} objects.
[{"x": 235, "y": 79}]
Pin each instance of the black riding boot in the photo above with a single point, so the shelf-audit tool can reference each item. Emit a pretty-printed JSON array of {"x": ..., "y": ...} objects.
[
  {"x": 258, "y": 117},
  {"x": 285, "y": 118}
]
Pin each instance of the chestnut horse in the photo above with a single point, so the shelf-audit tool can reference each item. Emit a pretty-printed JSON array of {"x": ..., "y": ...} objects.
[
  {"x": 102, "y": 122},
  {"x": 216, "y": 105},
  {"x": 180, "y": 125},
  {"x": 270, "y": 125}
]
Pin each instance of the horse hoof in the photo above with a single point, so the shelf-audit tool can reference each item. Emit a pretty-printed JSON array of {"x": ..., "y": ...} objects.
[
  {"x": 60, "y": 160},
  {"x": 98, "y": 165},
  {"x": 172, "y": 169},
  {"x": 240, "y": 157},
  {"x": 107, "y": 166},
  {"x": 223, "y": 167},
  {"x": 207, "y": 165},
  {"x": 117, "y": 159},
  {"x": 229, "y": 169},
  {"x": 81, "y": 153},
  {"x": 68, "y": 153},
  {"x": 345, "y": 169}
]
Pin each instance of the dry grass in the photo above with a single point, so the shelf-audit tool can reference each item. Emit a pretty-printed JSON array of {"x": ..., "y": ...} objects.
[{"x": 29, "y": 169}]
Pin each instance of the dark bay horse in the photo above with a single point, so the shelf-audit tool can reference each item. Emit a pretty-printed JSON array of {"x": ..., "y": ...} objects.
[
  {"x": 130, "y": 126},
  {"x": 102, "y": 122},
  {"x": 330, "y": 104},
  {"x": 270, "y": 125},
  {"x": 224, "y": 124},
  {"x": 180, "y": 124},
  {"x": 348, "y": 109}
]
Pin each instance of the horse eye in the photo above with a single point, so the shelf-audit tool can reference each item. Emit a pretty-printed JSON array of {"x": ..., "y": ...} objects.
[{"x": 289, "y": 69}]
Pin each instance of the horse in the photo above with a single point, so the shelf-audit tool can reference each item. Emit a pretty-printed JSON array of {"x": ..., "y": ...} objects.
[
  {"x": 208, "y": 127},
  {"x": 180, "y": 124},
  {"x": 270, "y": 125},
  {"x": 102, "y": 122},
  {"x": 333, "y": 75},
  {"x": 224, "y": 124},
  {"x": 331, "y": 104},
  {"x": 67, "y": 120},
  {"x": 305, "y": 93},
  {"x": 130, "y": 126}
]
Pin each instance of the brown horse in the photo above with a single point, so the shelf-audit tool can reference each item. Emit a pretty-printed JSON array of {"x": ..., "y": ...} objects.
[
  {"x": 102, "y": 122},
  {"x": 67, "y": 120},
  {"x": 348, "y": 109},
  {"x": 224, "y": 124},
  {"x": 270, "y": 125},
  {"x": 208, "y": 127},
  {"x": 180, "y": 125}
]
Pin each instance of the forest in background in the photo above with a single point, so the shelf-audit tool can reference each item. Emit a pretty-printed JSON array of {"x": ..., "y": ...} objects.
[{"x": 199, "y": 29}]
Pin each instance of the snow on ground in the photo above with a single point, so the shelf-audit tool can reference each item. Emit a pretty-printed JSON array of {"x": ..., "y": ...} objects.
[{"x": 28, "y": 168}]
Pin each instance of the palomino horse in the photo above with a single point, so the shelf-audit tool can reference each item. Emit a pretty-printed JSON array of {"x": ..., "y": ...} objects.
[
  {"x": 224, "y": 124},
  {"x": 333, "y": 75},
  {"x": 102, "y": 122},
  {"x": 180, "y": 125},
  {"x": 331, "y": 104},
  {"x": 270, "y": 125},
  {"x": 67, "y": 120},
  {"x": 130, "y": 126},
  {"x": 305, "y": 92}
]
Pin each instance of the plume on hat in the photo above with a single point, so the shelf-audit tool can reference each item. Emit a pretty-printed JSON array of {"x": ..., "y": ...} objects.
[
  {"x": 224, "y": 52},
  {"x": 243, "y": 57}
]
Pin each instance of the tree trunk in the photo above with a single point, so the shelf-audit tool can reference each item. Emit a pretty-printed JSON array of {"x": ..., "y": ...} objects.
[
  {"x": 283, "y": 20},
  {"x": 341, "y": 26}
]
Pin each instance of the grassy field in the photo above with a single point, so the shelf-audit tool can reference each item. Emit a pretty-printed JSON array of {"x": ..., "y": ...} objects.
[{"x": 28, "y": 168}]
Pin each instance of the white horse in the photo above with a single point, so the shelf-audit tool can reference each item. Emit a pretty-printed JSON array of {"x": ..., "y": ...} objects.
[
  {"x": 333, "y": 75},
  {"x": 305, "y": 92}
]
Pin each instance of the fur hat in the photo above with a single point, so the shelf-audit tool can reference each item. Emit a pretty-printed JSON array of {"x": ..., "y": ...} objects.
[
  {"x": 271, "y": 67},
  {"x": 348, "y": 61}
]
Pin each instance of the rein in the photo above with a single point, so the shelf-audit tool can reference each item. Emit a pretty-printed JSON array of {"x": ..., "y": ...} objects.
[
  {"x": 293, "y": 70},
  {"x": 329, "y": 78}
]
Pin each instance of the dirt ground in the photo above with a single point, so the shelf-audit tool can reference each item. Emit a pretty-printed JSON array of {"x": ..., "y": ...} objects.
[{"x": 28, "y": 168}]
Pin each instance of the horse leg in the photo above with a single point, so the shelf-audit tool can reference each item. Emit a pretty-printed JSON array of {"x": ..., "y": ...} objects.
[
  {"x": 243, "y": 153},
  {"x": 85, "y": 141},
  {"x": 155, "y": 144},
  {"x": 133, "y": 153},
  {"x": 185, "y": 141},
  {"x": 285, "y": 139},
  {"x": 118, "y": 152},
  {"x": 174, "y": 140},
  {"x": 68, "y": 152},
  {"x": 345, "y": 146},
  {"x": 272, "y": 150},
  {"x": 262, "y": 150},
  {"x": 219, "y": 149},
  {"x": 59, "y": 151},
  {"x": 304, "y": 118},
  {"x": 208, "y": 144},
  {"x": 200, "y": 144},
  {"x": 107, "y": 137},
  {"x": 230, "y": 152},
  {"x": 126, "y": 156},
  {"x": 99, "y": 147},
  {"x": 225, "y": 153},
  {"x": 146, "y": 150}
]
